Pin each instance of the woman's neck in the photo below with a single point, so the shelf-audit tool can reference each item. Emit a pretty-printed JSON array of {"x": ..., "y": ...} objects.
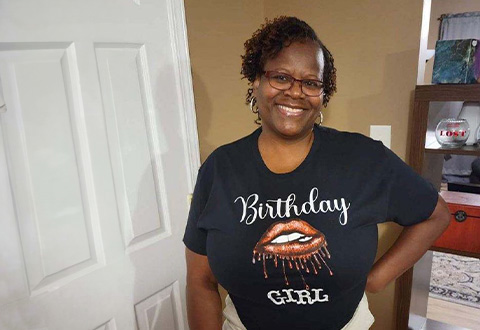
[{"x": 283, "y": 155}]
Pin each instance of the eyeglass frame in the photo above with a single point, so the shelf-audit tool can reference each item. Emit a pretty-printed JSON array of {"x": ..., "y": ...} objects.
[{"x": 267, "y": 75}]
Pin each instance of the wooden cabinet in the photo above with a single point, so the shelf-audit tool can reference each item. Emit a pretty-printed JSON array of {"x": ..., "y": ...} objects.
[{"x": 463, "y": 234}]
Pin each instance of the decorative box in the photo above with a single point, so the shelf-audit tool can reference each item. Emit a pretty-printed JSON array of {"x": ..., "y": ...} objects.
[
  {"x": 457, "y": 62},
  {"x": 462, "y": 236}
]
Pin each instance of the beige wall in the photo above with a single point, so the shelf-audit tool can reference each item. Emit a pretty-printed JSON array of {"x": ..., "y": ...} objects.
[
  {"x": 217, "y": 30},
  {"x": 375, "y": 45}
]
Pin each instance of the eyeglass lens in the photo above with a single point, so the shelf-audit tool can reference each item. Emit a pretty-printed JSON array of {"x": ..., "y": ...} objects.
[{"x": 282, "y": 81}]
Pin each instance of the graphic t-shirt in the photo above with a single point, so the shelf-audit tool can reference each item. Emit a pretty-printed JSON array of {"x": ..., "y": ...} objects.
[{"x": 294, "y": 250}]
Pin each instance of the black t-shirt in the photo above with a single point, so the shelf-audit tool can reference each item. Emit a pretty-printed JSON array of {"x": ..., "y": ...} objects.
[{"x": 294, "y": 250}]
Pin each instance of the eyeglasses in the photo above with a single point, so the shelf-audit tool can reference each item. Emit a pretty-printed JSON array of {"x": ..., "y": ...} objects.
[{"x": 283, "y": 82}]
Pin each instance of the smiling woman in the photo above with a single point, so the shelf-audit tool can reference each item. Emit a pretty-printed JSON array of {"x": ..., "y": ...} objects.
[
  {"x": 282, "y": 220},
  {"x": 289, "y": 112}
]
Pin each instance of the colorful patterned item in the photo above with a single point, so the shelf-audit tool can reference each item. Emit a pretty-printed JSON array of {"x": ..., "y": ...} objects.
[{"x": 457, "y": 62}]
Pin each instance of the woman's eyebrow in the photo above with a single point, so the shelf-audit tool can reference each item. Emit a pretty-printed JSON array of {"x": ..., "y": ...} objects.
[{"x": 311, "y": 76}]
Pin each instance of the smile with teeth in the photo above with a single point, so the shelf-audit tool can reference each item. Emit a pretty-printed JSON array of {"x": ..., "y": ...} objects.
[
  {"x": 297, "y": 244},
  {"x": 290, "y": 111}
]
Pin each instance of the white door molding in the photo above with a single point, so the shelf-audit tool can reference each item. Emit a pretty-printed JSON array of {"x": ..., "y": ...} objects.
[
  {"x": 184, "y": 73},
  {"x": 424, "y": 54}
]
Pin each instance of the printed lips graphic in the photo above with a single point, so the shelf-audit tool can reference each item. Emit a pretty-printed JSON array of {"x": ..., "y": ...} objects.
[{"x": 295, "y": 242}]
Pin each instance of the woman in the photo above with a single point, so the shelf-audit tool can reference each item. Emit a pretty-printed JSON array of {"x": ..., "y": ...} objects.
[{"x": 285, "y": 219}]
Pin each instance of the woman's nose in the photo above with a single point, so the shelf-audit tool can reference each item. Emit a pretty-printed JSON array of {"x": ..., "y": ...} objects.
[{"x": 295, "y": 90}]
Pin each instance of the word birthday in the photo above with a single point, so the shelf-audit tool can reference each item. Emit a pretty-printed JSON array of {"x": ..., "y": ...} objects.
[
  {"x": 278, "y": 208},
  {"x": 300, "y": 297}
]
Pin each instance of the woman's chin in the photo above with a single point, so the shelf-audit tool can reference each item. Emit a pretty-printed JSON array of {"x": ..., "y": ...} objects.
[{"x": 292, "y": 131}]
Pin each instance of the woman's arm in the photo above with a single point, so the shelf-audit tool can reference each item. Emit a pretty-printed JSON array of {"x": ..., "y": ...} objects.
[
  {"x": 410, "y": 246},
  {"x": 204, "y": 306}
]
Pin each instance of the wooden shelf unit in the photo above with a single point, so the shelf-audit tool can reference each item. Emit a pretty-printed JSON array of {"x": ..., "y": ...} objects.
[
  {"x": 424, "y": 94},
  {"x": 417, "y": 158}
]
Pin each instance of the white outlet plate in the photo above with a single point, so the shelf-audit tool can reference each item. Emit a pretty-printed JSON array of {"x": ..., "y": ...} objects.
[{"x": 382, "y": 133}]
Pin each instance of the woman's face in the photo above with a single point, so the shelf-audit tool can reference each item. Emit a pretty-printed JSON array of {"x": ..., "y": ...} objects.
[{"x": 301, "y": 61}]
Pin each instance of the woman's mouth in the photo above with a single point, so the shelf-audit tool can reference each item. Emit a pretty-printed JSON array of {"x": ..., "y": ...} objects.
[{"x": 290, "y": 111}]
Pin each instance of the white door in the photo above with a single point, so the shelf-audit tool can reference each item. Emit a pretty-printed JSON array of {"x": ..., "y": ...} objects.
[{"x": 98, "y": 153}]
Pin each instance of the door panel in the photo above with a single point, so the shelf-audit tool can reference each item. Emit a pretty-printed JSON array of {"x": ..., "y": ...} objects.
[
  {"x": 160, "y": 311},
  {"x": 47, "y": 170},
  {"x": 110, "y": 325},
  {"x": 133, "y": 142}
]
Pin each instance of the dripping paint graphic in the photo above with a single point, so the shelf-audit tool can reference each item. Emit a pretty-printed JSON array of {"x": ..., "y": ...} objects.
[{"x": 296, "y": 244}]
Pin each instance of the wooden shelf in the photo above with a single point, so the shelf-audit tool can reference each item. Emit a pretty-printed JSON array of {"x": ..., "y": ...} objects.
[
  {"x": 465, "y": 150},
  {"x": 447, "y": 92}
]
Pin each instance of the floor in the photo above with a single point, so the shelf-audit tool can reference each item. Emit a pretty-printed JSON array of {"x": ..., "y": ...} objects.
[{"x": 454, "y": 314}]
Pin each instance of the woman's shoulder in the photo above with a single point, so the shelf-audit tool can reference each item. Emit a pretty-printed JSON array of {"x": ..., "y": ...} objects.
[
  {"x": 351, "y": 143},
  {"x": 337, "y": 136}
]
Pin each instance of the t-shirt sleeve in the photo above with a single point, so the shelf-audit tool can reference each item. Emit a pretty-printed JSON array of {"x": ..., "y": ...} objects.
[
  {"x": 411, "y": 198},
  {"x": 195, "y": 237}
]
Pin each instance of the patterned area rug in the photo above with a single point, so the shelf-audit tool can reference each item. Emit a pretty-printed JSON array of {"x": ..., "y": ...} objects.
[{"x": 456, "y": 279}]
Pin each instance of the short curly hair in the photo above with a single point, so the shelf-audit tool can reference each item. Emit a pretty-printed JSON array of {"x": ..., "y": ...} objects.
[{"x": 271, "y": 38}]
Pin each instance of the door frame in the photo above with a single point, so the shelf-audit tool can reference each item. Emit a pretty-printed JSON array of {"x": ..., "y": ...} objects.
[{"x": 178, "y": 28}]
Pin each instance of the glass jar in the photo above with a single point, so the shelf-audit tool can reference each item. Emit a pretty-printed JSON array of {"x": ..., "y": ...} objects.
[{"x": 452, "y": 132}]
